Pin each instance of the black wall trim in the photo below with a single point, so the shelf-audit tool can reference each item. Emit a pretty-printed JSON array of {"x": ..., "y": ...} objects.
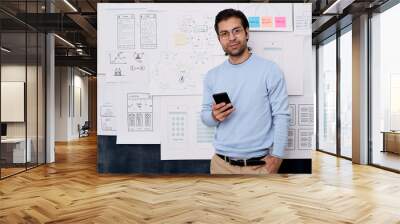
[{"x": 146, "y": 159}]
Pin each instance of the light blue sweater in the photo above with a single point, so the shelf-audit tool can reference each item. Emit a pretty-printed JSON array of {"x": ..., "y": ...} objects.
[{"x": 260, "y": 121}]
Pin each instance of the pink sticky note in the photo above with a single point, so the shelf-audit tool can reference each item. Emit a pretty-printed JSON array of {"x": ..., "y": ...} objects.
[
  {"x": 280, "y": 22},
  {"x": 266, "y": 21}
]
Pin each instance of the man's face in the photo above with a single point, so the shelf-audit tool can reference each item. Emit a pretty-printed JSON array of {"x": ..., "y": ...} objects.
[{"x": 232, "y": 36}]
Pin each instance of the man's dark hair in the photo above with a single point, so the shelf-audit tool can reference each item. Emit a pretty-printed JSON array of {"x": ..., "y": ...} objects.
[{"x": 228, "y": 13}]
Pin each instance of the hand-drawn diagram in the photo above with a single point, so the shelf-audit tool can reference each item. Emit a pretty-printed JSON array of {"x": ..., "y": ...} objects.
[
  {"x": 140, "y": 112},
  {"x": 306, "y": 115},
  {"x": 124, "y": 63},
  {"x": 181, "y": 73},
  {"x": 291, "y": 139},
  {"x": 108, "y": 119},
  {"x": 138, "y": 62},
  {"x": 305, "y": 139},
  {"x": 173, "y": 74},
  {"x": 148, "y": 31},
  {"x": 117, "y": 71},
  {"x": 177, "y": 121},
  {"x": 292, "y": 111},
  {"x": 205, "y": 134},
  {"x": 155, "y": 58},
  {"x": 138, "y": 68},
  {"x": 138, "y": 56},
  {"x": 108, "y": 123},
  {"x": 118, "y": 58},
  {"x": 126, "y": 31},
  {"x": 106, "y": 111},
  {"x": 196, "y": 32}
]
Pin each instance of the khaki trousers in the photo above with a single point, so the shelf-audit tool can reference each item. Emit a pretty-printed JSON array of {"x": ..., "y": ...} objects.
[{"x": 219, "y": 166}]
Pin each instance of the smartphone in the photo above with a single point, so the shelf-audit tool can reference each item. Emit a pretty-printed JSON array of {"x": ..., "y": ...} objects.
[{"x": 222, "y": 98}]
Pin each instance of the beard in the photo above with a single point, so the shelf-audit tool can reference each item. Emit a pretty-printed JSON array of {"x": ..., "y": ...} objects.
[{"x": 236, "y": 52}]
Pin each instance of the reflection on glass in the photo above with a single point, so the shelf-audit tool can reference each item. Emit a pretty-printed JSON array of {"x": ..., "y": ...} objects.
[
  {"x": 386, "y": 88},
  {"x": 14, "y": 153},
  {"x": 22, "y": 89},
  {"x": 327, "y": 97},
  {"x": 31, "y": 101},
  {"x": 346, "y": 94},
  {"x": 41, "y": 98}
]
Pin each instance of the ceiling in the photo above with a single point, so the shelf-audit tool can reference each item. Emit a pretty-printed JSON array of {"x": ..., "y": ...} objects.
[{"x": 77, "y": 22}]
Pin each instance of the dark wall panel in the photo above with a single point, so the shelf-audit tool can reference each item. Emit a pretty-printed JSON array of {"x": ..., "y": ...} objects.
[{"x": 146, "y": 159}]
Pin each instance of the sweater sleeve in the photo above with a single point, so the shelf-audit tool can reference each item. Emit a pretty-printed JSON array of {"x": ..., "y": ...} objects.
[
  {"x": 206, "y": 111},
  {"x": 278, "y": 96}
]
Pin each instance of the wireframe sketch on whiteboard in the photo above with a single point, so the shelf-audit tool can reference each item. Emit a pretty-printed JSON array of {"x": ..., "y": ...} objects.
[
  {"x": 306, "y": 114},
  {"x": 177, "y": 124},
  {"x": 108, "y": 123},
  {"x": 126, "y": 31},
  {"x": 108, "y": 119},
  {"x": 302, "y": 18},
  {"x": 205, "y": 134},
  {"x": 291, "y": 139},
  {"x": 165, "y": 50},
  {"x": 140, "y": 112},
  {"x": 148, "y": 31},
  {"x": 106, "y": 111},
  {"x": 177, "y": 121},
  {"x": 305, "y": 139},
  {"x": 292, "y": 112},
  {"x": 185, "y": 137}
]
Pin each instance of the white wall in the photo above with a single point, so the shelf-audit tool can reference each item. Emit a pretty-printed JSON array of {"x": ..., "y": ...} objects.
[
  {"x": 62, "y": 81},
  {"x": 33, "y": 127},
  {"x": 71, "y": 93},
  {"x": 16, "y": 73}
]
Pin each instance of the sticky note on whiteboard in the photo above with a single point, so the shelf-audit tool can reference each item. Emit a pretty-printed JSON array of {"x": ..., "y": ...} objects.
[
  {"x": 280, "y": 22},
  {"x": 254, "y": 21},
  {"x": 266, "y": 22}
]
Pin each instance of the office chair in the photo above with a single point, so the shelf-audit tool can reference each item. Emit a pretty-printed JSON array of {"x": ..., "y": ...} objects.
[{"x": 84, "y": 130}]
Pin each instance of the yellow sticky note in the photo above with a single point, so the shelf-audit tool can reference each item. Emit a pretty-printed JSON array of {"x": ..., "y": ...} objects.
[{"x": 180, "y": 39}]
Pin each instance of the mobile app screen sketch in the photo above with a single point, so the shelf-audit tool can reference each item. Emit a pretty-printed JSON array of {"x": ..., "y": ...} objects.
[{"x": 126, "y": 31}]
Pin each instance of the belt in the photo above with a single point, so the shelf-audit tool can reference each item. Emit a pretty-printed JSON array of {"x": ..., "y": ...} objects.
[{"x": 256, "y": 161}]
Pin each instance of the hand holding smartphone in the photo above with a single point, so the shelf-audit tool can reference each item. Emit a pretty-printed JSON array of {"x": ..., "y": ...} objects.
[
  {"x": 222, "y": 111},
  {"x": 221, "y": 98}
]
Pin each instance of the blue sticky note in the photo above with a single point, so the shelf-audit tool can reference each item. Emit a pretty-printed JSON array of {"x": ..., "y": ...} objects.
[{"x": 254, "y": 21}]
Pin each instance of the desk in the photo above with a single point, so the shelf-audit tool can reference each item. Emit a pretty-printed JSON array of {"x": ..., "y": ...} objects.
[
  {"x": 391, "y": 141},
  {"x": 16, "y": 147}
]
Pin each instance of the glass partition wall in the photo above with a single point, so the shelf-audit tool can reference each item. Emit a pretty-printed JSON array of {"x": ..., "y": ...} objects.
[
  {"x": 334, "y": 75},
  {"x": 385, "y": 89},
  {"x": 346, "y": 92},
  {"x": 22, "y": 77},
  {"x": 327, "y": 96}
]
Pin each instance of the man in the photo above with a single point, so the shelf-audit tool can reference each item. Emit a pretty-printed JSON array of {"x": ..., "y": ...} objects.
[{"x": 252, "y": 130}]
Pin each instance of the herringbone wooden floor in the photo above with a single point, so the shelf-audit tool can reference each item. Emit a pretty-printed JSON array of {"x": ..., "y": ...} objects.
[{"x": 71, "y": 191}]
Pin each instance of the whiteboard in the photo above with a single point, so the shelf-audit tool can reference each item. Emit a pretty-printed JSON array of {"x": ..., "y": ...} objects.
[
  {"x": 152, "y": 59},
  {"x": 12, "y": 101}
]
